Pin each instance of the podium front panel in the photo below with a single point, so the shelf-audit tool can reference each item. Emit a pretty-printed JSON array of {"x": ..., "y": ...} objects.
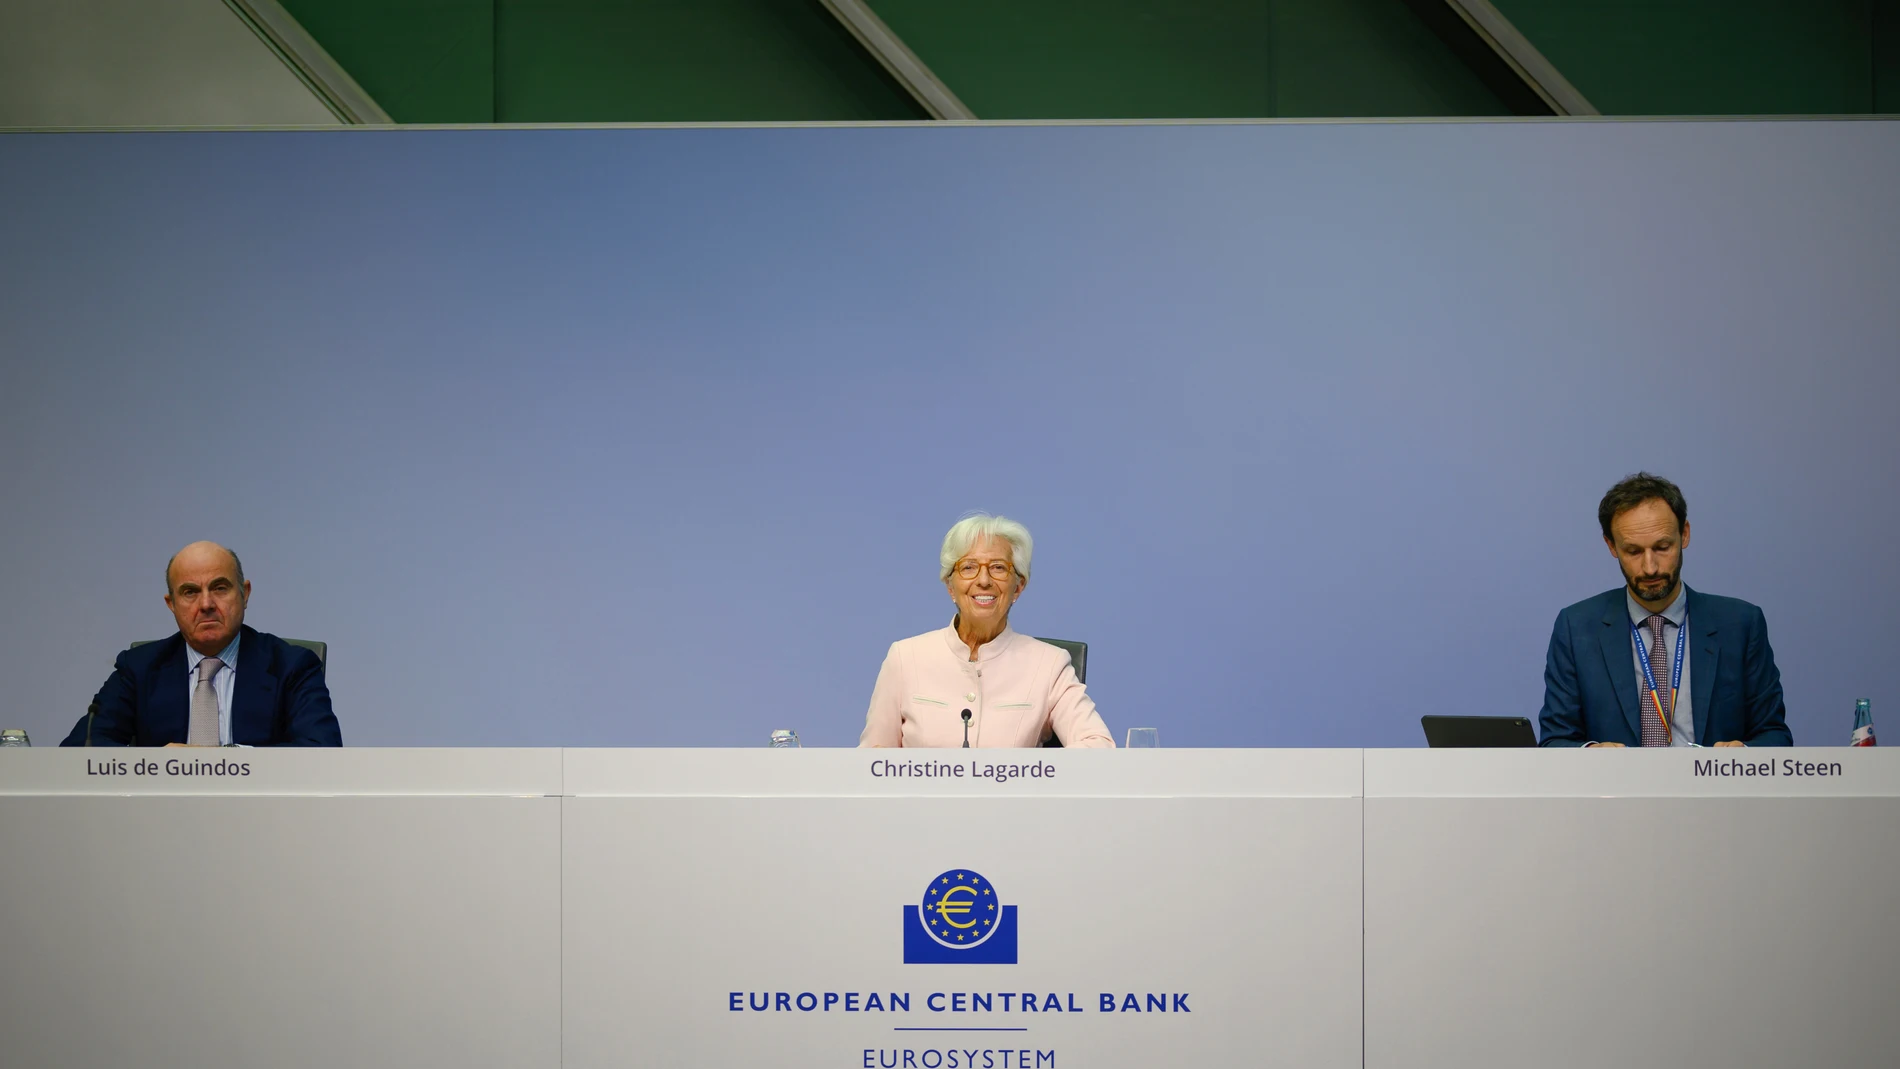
[{"x": 795, "y": 926}]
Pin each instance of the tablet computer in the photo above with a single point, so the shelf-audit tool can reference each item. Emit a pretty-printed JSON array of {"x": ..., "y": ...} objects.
[{"x": 1468, "y": 731}]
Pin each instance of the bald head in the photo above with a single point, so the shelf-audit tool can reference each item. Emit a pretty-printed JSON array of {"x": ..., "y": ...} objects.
[
  {"x": 206, "y": 591},
  {"x": 200, "y": 553}
]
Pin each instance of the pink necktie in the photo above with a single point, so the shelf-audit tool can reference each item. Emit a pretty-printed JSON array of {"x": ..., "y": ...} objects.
[{"x": 204, "y": 706}]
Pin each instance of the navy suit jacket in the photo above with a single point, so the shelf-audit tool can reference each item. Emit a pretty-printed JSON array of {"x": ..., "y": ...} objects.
[
  {"x": 1590, "y": 689},
  {"x": 278, "y": 700}
]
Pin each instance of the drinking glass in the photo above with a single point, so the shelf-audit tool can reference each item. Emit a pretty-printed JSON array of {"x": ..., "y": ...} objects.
[{"x": 1143, "y": 739}]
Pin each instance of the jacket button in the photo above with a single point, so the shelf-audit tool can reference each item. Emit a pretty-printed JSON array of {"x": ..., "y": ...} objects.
[{"x": 970, "y": 697}]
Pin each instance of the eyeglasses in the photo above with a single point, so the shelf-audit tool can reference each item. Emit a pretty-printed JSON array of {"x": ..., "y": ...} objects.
[{"x": 999, "y": 569}]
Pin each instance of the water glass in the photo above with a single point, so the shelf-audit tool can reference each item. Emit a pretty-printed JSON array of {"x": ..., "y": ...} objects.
[
  {"x": 784, "y": 739},
  {"x": 1143, "y": 739},
  {"x": 14, "y": 737}
]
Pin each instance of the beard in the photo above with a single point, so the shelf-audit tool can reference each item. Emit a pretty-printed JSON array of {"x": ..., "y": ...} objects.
[{"x": 1655, "y": 588}]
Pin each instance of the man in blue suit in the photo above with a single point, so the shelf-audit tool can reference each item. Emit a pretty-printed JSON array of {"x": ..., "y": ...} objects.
[
  {"x": 1619, "y": 662},
  {"x": 216, "y": 682}
]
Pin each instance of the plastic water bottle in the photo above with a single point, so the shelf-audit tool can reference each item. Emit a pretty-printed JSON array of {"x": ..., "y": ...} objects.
[
  {"x": 1863, "y": 724},
  {"x": 784, "y": 739},
  {"x": 14, "y": 737}
]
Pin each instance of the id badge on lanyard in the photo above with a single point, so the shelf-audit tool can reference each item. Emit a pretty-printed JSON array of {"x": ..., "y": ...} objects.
[{"x": 1649, "y": 675}]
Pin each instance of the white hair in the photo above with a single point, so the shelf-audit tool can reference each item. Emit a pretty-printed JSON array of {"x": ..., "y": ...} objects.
[{"x": 977, "y": 526}]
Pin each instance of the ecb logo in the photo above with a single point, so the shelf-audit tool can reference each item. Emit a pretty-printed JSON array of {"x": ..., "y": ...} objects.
[{"x": 960, "y": 920}]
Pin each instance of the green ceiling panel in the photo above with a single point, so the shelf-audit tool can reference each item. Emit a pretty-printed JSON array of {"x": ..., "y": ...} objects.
[
  {"x": 1708, "y": 57},
  {"x": 685, "y": 61},
  {"x": 757, "y": 60},
  {"x": 1368, "y": 58},
  {"x": 424, "y": 61},
  {"x": 1093, "y": 59},
  {"x": 1886, "y": 64},
  {"x": 1130, "y": 59}
]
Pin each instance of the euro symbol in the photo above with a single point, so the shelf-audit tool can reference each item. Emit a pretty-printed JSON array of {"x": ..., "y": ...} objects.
[{"x": 946, "y": 906}]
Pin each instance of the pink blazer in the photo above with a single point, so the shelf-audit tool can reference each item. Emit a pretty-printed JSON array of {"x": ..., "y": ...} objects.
[{"x": 1018, "y": 691}]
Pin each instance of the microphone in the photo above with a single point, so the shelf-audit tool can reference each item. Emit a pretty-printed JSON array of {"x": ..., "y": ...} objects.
[
  {"x": 966, "y": 729},
  {"x": 91, "y": 712}
]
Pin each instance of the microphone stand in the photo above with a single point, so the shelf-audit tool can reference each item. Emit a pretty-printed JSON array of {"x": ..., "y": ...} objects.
[
  {"x": 92, "y": 711},
  {"x": 966, "y": 729}
]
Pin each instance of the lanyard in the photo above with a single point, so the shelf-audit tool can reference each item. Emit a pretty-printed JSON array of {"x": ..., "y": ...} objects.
[{"x": 1675, "y": 676}]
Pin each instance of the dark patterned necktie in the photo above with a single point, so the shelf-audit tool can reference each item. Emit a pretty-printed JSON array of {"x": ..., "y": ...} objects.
[{"x": 1655, "y": 727}]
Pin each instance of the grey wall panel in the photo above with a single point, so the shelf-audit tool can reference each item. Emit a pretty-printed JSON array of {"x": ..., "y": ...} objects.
[{"x": 143, "y": 63}]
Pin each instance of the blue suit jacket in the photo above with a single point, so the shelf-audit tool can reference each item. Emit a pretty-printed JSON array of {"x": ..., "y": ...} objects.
[
  {"x": 279, "y": 698},
  {"x": 1590, "y": 689}
]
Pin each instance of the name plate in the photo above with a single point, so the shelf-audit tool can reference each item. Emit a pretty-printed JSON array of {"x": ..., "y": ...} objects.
[
  {"x": 1040, "y": 773},
  {"x": 230, "y": 770},
  {"x": 1676, "y": 772}
]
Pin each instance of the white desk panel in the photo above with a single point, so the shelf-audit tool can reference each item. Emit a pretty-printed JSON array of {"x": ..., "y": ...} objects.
[
  {"x": 426, "y": 907},
  {"x": 1584, "y": 909},
  {"x": 236, "y": 931}
]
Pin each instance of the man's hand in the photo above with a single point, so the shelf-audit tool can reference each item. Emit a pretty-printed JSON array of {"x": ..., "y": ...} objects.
[
  {"x": 1731, "y": 744},
  {"x": 1605, "y": 746}
]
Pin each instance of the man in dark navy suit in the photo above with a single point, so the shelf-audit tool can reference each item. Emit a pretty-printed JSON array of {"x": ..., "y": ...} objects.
[
  {"x": 1653, "y": 663},
  {"x": 216, "y": 682}
]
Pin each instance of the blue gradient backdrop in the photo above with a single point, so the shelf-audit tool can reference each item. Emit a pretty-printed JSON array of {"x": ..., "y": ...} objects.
[{"x": 647, "y": 437}]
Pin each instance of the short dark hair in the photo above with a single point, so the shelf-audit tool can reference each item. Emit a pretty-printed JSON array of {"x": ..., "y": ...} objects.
[{"x": 1637, "y": 489}]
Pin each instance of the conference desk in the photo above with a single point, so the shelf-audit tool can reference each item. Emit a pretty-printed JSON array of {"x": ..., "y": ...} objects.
[{"x": 529, "y": 908}]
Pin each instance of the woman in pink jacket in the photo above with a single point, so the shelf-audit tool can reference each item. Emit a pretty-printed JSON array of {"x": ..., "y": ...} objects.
[{"x": 977, "y": 681}]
